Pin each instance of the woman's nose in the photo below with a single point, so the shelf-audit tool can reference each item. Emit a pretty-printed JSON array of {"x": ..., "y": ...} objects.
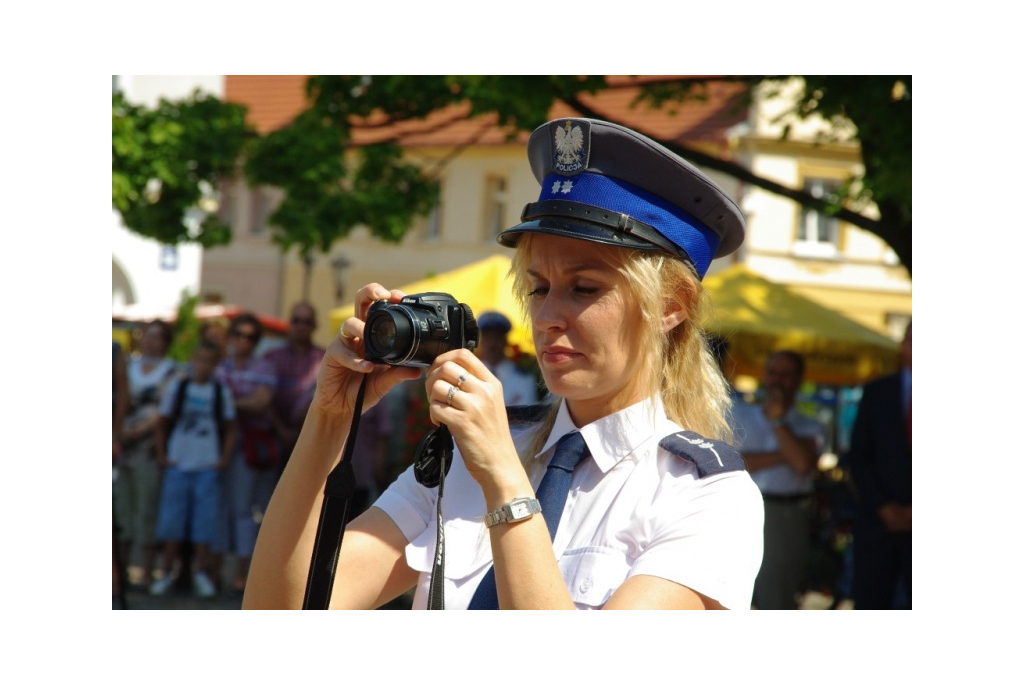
[{"x": 549, "y": 313}]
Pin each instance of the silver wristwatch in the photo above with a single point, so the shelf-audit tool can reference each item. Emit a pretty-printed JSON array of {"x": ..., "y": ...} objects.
[{"x": 518, "y": 509}]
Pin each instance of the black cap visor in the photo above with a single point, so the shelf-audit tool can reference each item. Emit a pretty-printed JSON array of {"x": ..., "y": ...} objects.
[{"x": 608, "y": 229}]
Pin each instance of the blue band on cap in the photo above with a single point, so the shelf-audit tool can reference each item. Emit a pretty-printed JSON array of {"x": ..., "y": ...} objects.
[{"x": 696, "y": 239}]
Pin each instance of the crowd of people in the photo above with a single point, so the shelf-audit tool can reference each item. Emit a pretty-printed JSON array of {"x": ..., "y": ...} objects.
[{"x": 199, "y": 446}]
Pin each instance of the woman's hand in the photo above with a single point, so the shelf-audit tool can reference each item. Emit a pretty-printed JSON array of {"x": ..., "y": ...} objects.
[
  {"x": 344, "y": 365},
  {"x": 475, "y": 414}
]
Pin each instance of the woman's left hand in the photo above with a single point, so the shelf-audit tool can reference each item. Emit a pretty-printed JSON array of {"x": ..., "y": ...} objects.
[{"x": 465, "y": 396}]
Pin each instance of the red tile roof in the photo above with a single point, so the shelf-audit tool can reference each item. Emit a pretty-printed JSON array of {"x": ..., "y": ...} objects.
[{"x": 274, "y": 100}]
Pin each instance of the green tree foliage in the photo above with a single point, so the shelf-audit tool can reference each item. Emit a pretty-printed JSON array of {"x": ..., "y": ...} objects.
[
  {"x": 329, "y": 192},
  {"x": 186, "y": 329},
  {"x": 168, "y": 161}
]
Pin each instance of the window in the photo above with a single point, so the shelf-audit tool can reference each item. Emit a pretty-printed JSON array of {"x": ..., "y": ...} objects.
[
  {"x": 818, "y": 233},
  {"x": 432, "y": 231},
  {"x": 495, "y": 200},
  {"x": 427, "y": 229},
  {"x": 228, "y": 198},
  {"x": 260, "y": 209}
]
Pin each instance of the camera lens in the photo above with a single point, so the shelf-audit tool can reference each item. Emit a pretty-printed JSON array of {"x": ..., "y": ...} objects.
[
  {"x": 390, "y": 335},
  {"x": 382, "y": 333}
]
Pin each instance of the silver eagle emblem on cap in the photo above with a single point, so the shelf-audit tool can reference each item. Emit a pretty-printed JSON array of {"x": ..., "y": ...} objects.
[{"x": 570, "y": 155}]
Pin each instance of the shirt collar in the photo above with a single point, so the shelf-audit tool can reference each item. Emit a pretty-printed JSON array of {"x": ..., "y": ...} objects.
[{"x": 615, "y": 436}]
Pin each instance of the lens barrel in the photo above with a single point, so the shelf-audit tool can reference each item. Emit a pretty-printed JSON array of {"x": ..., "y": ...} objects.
[{"x": 391, "y": 334}]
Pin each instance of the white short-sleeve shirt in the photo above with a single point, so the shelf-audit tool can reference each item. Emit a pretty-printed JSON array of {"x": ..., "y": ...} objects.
[
  {"x": 194, "y": 443},
  {"x": 634, "y": 508}
]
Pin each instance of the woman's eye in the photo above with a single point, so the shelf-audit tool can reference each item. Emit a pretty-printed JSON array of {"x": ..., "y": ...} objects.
[{"x": 537, "y": 291}]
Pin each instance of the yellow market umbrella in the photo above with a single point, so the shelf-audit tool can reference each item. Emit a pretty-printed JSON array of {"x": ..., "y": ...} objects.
[
  {"x": 482, "y": 285},
  {"x": 757, "y": 317}
]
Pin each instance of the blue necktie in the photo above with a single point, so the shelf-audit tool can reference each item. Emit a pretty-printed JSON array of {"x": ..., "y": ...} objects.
[{"x": 552, "y": 493}]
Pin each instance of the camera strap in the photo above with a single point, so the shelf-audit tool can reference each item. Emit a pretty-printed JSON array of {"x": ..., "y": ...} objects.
[
  {"x": 433, "y": 459},
  {"x": 338, "y": 491}
]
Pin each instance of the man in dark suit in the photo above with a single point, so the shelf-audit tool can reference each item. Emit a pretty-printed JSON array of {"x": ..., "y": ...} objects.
[{"x": 880, "y": 464}]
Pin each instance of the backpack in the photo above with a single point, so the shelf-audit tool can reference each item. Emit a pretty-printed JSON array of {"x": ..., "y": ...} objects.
[{"x": 179, "y": 404}]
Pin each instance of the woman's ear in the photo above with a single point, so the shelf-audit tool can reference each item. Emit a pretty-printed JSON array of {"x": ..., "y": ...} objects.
[{"x": 673, "y": 315}]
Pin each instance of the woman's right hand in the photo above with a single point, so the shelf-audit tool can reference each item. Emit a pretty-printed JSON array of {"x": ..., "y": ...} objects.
[{"x": 344, "y": 365}]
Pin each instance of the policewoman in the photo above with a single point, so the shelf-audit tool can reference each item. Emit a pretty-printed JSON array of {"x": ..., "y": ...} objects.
[{"x": 622, "y": 492}]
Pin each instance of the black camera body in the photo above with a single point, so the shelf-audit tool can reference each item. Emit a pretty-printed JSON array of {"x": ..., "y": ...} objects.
[{"x": 418, "y": 329}]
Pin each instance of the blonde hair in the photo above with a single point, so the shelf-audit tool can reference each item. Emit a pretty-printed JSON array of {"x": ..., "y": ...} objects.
[{"x": 677, "y": 363}]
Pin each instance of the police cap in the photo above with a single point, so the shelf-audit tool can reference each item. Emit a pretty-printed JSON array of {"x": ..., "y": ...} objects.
[
  {"x": 608, "y": 184},
  {"x": 494, "y": 321}
]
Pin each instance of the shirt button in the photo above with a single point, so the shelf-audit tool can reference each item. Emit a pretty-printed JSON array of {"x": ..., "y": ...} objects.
[{"x": 586, "y": 585}]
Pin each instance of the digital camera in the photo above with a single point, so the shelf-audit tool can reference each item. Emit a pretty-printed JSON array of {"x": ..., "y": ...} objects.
[{"x": 418, "y": 329}]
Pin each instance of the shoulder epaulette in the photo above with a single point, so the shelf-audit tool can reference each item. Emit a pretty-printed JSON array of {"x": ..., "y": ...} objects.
[
  {"x": 709, "y": 456},
  {"x": 526, "y": 413}
]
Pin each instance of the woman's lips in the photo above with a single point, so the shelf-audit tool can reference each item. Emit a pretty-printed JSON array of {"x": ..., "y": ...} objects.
[{"x": 555, "y": 355}]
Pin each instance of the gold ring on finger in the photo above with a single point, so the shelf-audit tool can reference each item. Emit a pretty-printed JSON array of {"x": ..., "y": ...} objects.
[{"x": 462, "y": 379}]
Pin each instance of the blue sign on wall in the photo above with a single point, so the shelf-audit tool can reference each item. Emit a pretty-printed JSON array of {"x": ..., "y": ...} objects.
[{"x": 168, "y": 258}]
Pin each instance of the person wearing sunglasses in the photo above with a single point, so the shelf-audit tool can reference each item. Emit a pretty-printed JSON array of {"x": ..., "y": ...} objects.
[{"x": 252, "y": 472}]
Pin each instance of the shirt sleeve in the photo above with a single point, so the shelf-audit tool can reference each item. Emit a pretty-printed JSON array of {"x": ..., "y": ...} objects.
[
  {"x": 710, "y": 540},
  {"x": 410, "y": 505}
]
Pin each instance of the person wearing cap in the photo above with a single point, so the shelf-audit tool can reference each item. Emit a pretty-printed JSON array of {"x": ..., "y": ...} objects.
[
  {"x": 518, "y": 387},
  {"x": 659, "y": 511}
]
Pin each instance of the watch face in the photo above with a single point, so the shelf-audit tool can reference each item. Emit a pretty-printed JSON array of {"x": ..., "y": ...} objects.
[{"x": 519, "y": 510}]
